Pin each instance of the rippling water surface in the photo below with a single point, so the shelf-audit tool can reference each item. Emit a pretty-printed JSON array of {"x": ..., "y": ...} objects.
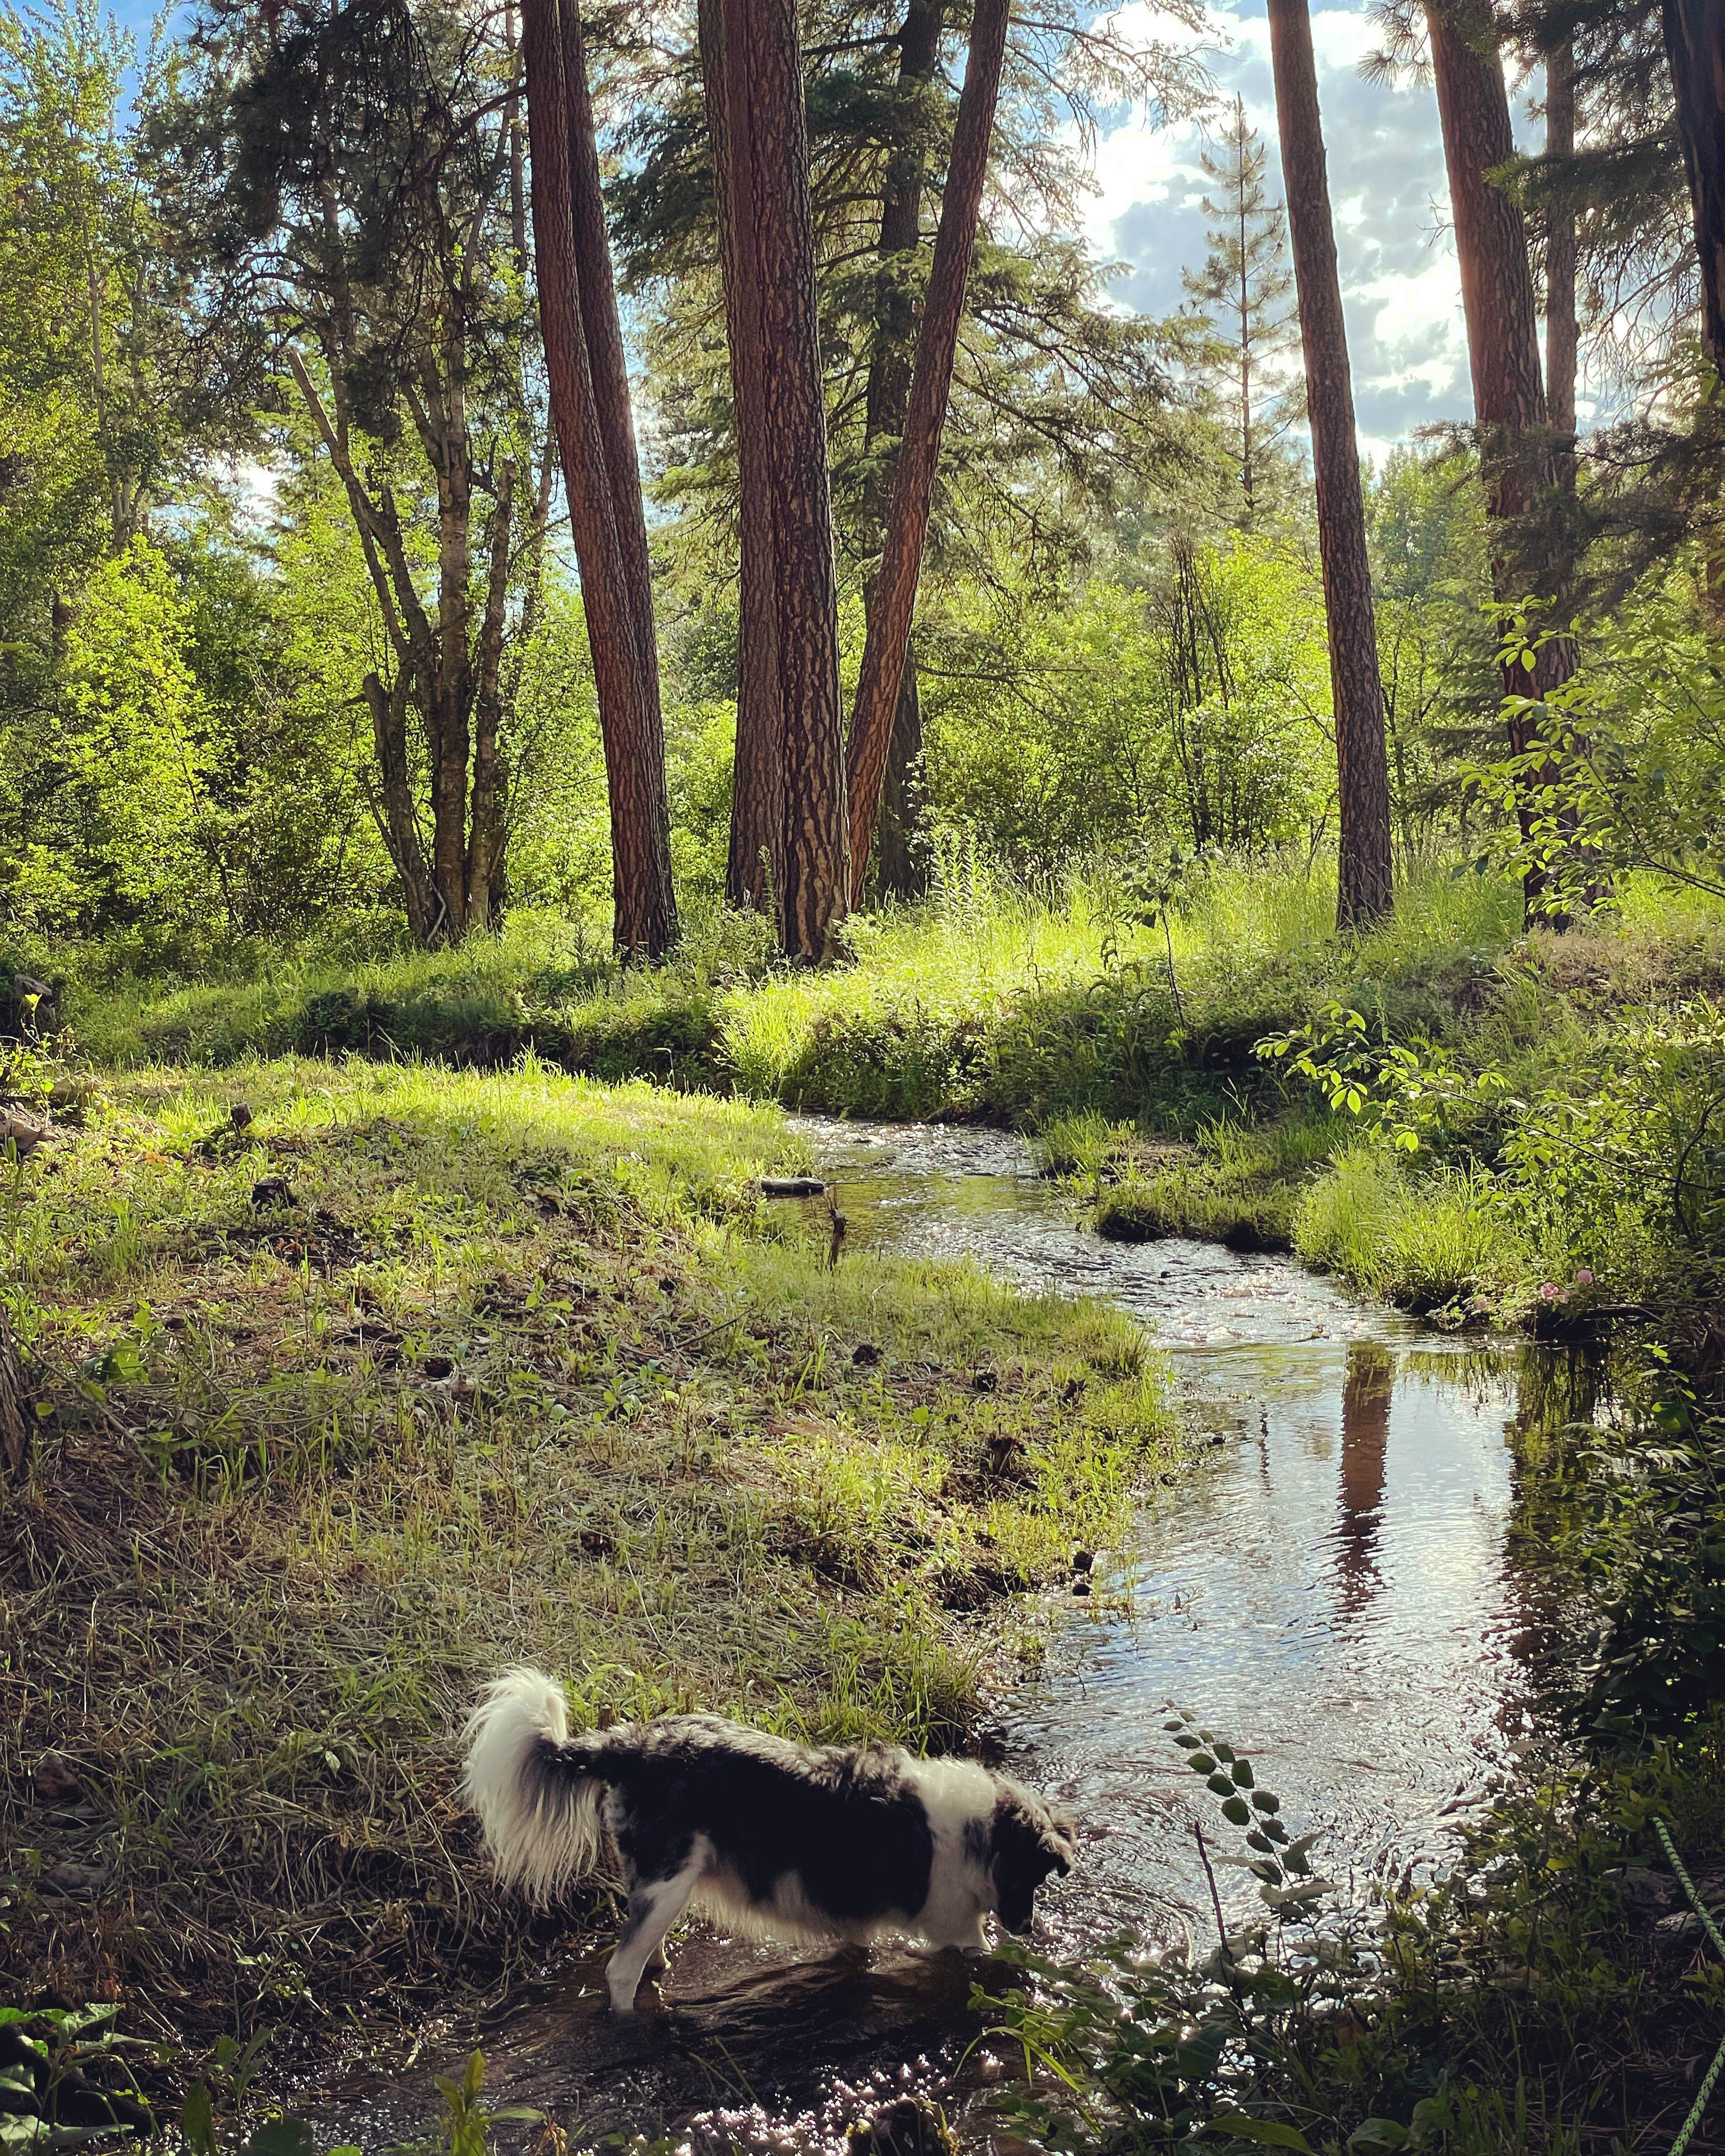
[{"x": 1329, "y": 1591}]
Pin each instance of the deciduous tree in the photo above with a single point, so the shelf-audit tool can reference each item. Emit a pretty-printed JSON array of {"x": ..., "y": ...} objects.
[{"x": 340, "y": 178}]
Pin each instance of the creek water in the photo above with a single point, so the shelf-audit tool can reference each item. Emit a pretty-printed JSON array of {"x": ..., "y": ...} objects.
[{"x": 1333, "y": 1589}]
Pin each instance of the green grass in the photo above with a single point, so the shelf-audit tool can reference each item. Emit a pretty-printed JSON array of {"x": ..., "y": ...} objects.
[
  {"x": 1236, "y": 1183},
  {"x": 526, "y": 1369},
  {"x": 1420, "y": 1239},
  {"x": 993, "y": 1002},
  {"x": 1048, "y": 1009}
]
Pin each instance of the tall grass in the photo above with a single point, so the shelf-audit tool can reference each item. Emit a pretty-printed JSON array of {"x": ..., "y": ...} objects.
[{"x": 1425, "y": 1242}]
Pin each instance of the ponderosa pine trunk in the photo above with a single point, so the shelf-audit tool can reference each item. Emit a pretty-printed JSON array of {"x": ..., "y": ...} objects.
[
  {"x": 754, "y": 873},
  {"x": 609, "y": 367},
  {"x": 1562, "y": 328},
  {"x": 901, "y": 870},
  {"x": 640, "y": 836},
  {"x": 902, "y": 863},
  {"x": 1498, "y": 302},
  {"x": 888, "y": 639},
  {"x": 1694, "y": 47},
  {"x": 763, "y": 74},
  {"x": 1366, "y": 889}
]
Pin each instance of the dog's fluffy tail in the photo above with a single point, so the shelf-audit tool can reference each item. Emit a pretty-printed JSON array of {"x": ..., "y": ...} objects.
[{"x": 533, "y": 1786}]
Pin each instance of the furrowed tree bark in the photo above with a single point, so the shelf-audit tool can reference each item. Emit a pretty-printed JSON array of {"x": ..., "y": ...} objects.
[
  {"x": 1562, "y": 330},
  {"x": 901, "y": 871},
  {"x": 889, "y": 631},
  {"x": 609, "y": 367},
  {"x": 1502, "y": 341},
  {"x": 1694, "y": 47},
  {"x": 901, "y": 865},
  {"x": 754, "y": 873},
  {"x": 763, "y": 68},
  {"x": 641, "y": 837},
  {"x": 1366, "y": 889}
]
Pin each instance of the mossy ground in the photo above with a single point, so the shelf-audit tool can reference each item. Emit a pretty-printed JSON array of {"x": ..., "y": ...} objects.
[{"x": 515, "y": 1367}]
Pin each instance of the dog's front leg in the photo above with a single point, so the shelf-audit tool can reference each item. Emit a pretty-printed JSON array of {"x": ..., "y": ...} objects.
[{"x": 653, "y": 1908}]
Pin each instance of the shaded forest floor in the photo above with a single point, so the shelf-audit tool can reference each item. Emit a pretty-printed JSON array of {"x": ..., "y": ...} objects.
[{"x": 412, "y": 1374}]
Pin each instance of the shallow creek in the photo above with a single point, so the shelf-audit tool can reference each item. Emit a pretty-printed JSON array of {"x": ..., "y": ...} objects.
[{"x": 1330, "y": 1588}]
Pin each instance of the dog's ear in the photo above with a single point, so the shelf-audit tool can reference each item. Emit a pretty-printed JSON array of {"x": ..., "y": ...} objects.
[
  {"x": 1028, "y": 1842},
  {"x": 1060, "y": 1843}
]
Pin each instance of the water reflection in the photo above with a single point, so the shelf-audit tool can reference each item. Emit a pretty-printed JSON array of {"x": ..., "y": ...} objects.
[
  {"x": 1365, "y": 1439},
  {"x": 1334, "y": 1588}
]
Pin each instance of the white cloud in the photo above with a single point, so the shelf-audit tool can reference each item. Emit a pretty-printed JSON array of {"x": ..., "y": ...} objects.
[{"x": 1399, "y": 279}]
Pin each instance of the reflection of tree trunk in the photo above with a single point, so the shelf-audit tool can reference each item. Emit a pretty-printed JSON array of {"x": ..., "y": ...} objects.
[
  {"x": 1365, "y": 1440},
  {"x": 900, "y": 858},
  {"x": 1362, "y": 767},
  {"x": 754, "y": 872},
  {"x": 763, "y": 70},
  {"x": 889, "y": 631}
]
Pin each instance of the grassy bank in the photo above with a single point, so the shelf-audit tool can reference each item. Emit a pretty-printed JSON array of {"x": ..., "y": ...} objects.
[
  {"x": 993, "y": 1002},
  {"x": 414, "y": 1374},
  {"x": 1133, "y": 1057}
]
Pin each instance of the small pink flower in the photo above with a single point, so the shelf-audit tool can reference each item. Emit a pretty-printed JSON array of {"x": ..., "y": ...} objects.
[
  {"x": 1548, "y": 1292},
  {"x": 1479, "y": 1303},
  {"x": 1584, "y": 1278}
]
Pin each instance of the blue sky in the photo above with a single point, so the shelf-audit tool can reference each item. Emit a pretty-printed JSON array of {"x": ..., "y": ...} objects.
[{"x": 1401, "y": 289}]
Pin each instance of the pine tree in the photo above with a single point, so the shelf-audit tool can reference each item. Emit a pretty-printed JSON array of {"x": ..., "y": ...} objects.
[
  {"x": 1562, "y": 328},
  {"x": 889, "y": 633},
  {"x": 1245, "y": 290},
  {"x": 589, "y": 401},
  {"x": 761, "y": 102},
  {"x": 1365, "y": 885}
]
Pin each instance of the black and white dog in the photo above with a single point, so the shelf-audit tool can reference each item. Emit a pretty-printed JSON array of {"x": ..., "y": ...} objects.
[{"x": 760, "y": 1834}]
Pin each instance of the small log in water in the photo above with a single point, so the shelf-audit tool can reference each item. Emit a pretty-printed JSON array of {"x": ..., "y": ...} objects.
[{"x": 792, "y": 1186}]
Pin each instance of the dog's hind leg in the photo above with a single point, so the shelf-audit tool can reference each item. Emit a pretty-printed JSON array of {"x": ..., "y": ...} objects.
[{"x": 653, "y": 1909}]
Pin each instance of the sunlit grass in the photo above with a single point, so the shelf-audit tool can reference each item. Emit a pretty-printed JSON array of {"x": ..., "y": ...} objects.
[
  {"x": 525, "y": 1368},
  {"x": 1423, "y": 1240}
]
